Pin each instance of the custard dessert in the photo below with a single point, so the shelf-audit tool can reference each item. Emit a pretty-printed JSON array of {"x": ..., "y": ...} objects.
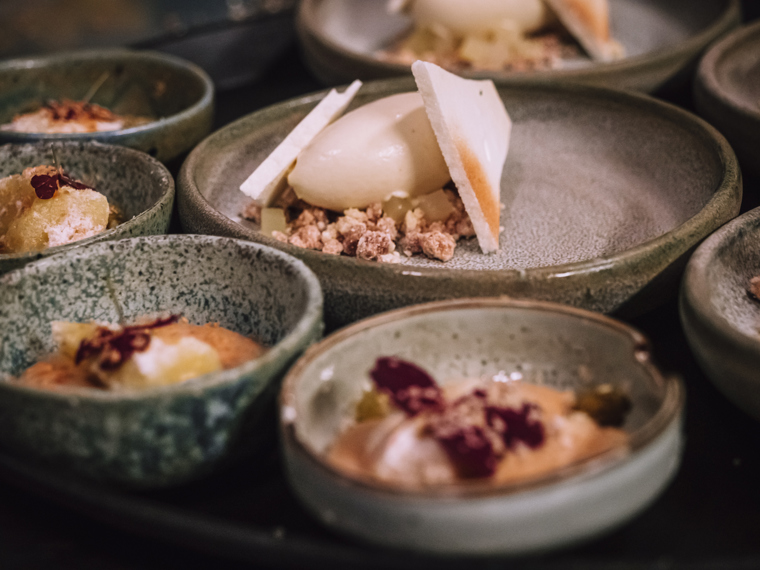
[{"x": 67, "y": 117}]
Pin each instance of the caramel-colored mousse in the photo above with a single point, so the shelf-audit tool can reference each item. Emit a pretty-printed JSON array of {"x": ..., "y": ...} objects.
[
  {"x": 400, "y": 450},
  {"x": 61, "y": 370}
]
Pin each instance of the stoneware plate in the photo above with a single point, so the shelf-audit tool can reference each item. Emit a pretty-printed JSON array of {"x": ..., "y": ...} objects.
[
  {"x": 727, "y": 92},
  {"x": 606, "y": 193},
  {"x": 140, "y": 186},
  {"x": 176, "y": 94},
  {"x": 164, "y": 435},
  {"x": 544, "y": 343},
  {"x": 720, "y": 319},
  {"x": 662, "y": 38}
]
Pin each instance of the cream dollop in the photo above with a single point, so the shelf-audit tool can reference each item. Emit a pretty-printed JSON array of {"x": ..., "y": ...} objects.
[
  {"x": 382, "y": 149},
  {"x": 475, "y": 16}
]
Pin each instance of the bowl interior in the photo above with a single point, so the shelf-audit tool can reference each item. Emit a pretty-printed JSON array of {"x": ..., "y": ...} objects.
[
  {"x": 590, "y": 173},
  {"x": 363, "y": 26},
  {"x": 737, "y": 70},
  {"x": 131, "y": 83},
  {"x": 247, "y": 288},
  {"x": 535, "y": 342}
]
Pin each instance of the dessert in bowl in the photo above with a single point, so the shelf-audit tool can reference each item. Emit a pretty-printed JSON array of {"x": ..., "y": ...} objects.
[
  {"x": 470, "y": 476},
  {"x": 141, "y": 404},
  {"x": 62, "y": 195}
]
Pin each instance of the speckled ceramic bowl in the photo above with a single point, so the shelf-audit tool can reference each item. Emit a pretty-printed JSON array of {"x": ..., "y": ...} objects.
[
  {"x": 663, "y": 39},
  {"x": 543, "y": 343},
  {"x": 176, "y": 94},
  {"x": 606, "y": 194},
  {"x": 165, "y": 435},
  {"x": 140, "y": 186},
  {"x": 721, "y": 321},
  {"x": 727, "y": 92}
]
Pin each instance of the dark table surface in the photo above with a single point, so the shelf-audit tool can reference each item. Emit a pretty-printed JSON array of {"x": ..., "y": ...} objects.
[{"x": 709, "y": 517}]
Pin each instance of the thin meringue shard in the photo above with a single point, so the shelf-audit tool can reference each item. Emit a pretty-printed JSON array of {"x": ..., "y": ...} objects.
[
  {"x": 473, "y": 130},
  {"x": 589, "y": 23}
]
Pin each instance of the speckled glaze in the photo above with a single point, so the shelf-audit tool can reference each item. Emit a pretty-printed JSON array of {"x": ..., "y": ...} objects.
[
  {"x": 727, "y": 92},
  {"x": 139, "y": 185},
  {"x": 166, "y": 435},
  {"x": 541, "y": 342},
  {"x": 606, "y": 193},
  {"x": 663, "y": 40},
  {"x": 721, "y": 321},
  {"x": 177, "y": 93}
]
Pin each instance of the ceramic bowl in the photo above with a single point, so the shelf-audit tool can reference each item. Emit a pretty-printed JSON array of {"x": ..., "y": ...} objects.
[
  {"x": 663, "y": 39},
  {"x": 606, "y": 194},
  {"x": 720, "y": 319},
  {"x": 727, "y": 92},
  {"x": 140, "y": 186},
  {"x": 166, "y": 435},
  {"x": 178, "y": 95},
  {"x": 555, "y": 345}
]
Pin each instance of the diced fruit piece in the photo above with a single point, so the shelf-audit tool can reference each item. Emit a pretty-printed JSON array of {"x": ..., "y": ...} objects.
[
  {"x": 396, "y": 208},
  {"x": 436, "y": 205},
  {"x": 273, "y": 220},
  {"x": 373, "y": 405}
]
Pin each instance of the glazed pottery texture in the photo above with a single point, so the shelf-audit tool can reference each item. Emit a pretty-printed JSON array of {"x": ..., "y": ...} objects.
[
  {"x": 721, "y": 321},
  {"x": 165, "y": 435},
  {"x": 176, "y": 94},
  {"x": 663, "y": 40},
  {"x": 605, "y": 194},
  {"x": 727, "y": 92},
  {"x": 140, "y": 186},
  {"x": 543, "y": 343}
]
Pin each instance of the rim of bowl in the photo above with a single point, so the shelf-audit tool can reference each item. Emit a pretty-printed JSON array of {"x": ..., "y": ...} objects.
[
  {"x": 166, "y": 196},
  {"x": 732, "y": 13},
  {"x": 109, "y": 54},
  {"x": 308, "y": 322},
  {"x": 707, "y": 73},
  {"x": 721, "y": 202},
  {"x": 669, "y": 410},
  {"x": 696, "y": 288}
]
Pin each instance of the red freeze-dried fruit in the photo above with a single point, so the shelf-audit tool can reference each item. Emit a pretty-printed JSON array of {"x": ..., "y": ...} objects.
[
  {"x": 409, "y": 386},
  {"x": 516, "y": 425},
  {"x": 115, "y": 347},
  {"x": 471, "y": 452},
  {"x": 46, "y": 185}
]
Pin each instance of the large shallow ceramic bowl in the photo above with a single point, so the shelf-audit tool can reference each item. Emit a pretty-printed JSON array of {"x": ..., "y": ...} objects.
[
  {"x": 663, "y": 39},
  {"x": 164, "y": 435},
  {"x": 177, "y": 95},
  {"x": 727, "y": 92},
  {"x": 720, "y": 319},
  {"x": 606, "y": 194},
  {"x": 140, "y": 186},
  {"x": 545, "y": 343}
]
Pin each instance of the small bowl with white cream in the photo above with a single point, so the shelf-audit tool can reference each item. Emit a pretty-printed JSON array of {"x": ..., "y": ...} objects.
[{"x": 480, "y": 426}]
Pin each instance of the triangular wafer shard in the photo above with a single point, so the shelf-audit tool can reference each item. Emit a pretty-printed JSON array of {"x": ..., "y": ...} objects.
[
  {"x": 473, "y": 129},
  {"x": 589, "y": 23},
  {"x": 269, "y": 179}
]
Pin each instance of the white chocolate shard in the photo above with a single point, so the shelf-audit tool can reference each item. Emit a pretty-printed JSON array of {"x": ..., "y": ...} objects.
[
  {"x": 269, "y": 179},
  {"x": 589, "y": 23},
  {"x": 473, "y": 129}
]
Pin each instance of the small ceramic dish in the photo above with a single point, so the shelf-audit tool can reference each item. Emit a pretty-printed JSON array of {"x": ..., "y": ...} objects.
[
  {"x": 159, "y": 436},
  {"x": 606, "y": 193},
  {"x": 341, "y": 40},
  {"x": 544, "y": 343},
  {"x": 727, "y": 92},
  {"x": 720, "y": 319},
  {"x": 176, "y": 95},
  {"x": 140, "y": 186}
]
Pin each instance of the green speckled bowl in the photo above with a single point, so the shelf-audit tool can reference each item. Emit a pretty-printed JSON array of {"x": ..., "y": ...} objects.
[
  {"x": 176, "y": 93},
  {"x": 606, "y": 194},
  {"x": 727, "y": 92},
  {"x": 171, "y": 434},
  {"x": 139, "y": 185},
  {"x": 663, "y": 40},
  {"x": 721, "y": 321}
]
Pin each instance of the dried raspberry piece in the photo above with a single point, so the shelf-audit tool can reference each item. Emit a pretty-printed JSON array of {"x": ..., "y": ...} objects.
[
  {"x": 409, "y": 386},
  {"x": 516, "y": 425},
  {"x": 46, "y": 185},
  {"x": 471, "y": 452}
]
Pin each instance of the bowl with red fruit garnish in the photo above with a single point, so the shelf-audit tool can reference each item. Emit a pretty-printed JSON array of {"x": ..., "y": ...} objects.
[{"x": 480, "y": 426}]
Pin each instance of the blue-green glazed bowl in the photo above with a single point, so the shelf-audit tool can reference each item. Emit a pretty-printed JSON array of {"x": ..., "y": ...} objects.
[
  {"x": 168, "y": 435},
  {"x": 140, "y": 186},
  {"x": 176, "y": 94}
]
